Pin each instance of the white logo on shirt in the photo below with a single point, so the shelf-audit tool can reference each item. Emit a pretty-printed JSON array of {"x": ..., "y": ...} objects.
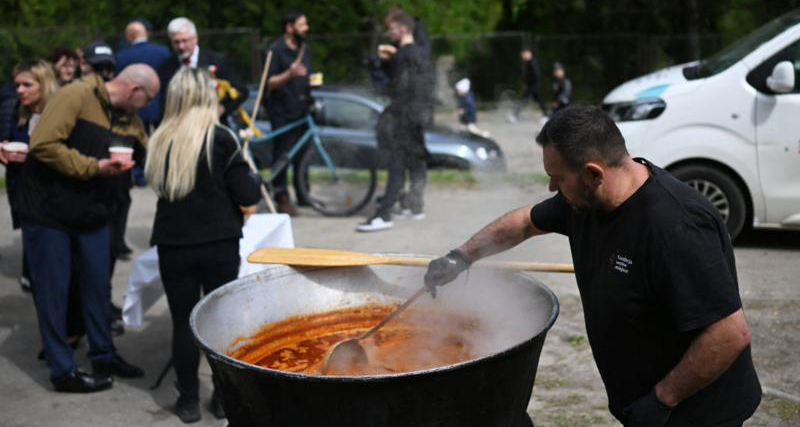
[{"x": 621, "y": 263}]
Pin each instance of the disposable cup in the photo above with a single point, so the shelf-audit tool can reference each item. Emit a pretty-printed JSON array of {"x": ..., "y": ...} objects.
[
  {"x": 15, "y": 151},
  {"x": 315, "y": 79},
  {"x": 121, "y": 154}
]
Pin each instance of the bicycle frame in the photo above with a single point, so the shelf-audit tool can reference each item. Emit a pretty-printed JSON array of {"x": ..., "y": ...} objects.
[{"x": 283, "y": 162}]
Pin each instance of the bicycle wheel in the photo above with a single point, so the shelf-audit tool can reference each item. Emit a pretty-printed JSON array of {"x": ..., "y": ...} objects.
[{"x": 343, "y": 190}]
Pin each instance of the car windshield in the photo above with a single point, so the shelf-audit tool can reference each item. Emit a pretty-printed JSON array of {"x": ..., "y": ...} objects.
[{"x": 739, "y": 49}]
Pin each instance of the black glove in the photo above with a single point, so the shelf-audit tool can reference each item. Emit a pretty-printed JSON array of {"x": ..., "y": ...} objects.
[
  {"x": 648, "y": 411},
  {"x": 444, "y": 270}
]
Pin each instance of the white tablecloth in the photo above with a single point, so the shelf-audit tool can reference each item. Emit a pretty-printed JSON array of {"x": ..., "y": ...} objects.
[{"x": 144, "y": 282}]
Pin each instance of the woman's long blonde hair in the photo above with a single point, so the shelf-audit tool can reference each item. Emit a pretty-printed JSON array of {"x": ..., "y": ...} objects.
[
  {"x": 174, "y": 149},
  {"x": 42, "y": 72}
]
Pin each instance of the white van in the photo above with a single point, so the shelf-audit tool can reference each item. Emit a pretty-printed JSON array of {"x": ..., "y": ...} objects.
[{"x": 729, "y": 125}]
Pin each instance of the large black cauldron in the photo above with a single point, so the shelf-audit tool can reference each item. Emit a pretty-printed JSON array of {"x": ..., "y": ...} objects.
[{"x": 492, "y": 390}]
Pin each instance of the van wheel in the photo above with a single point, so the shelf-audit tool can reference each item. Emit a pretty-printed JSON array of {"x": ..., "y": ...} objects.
[{"x": 719, "y": 189}]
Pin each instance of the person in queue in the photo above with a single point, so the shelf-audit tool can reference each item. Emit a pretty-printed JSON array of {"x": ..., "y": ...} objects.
[
  {"x": 288, "y": 99},
  {"x": 141, "y": 50},
  {"x": 100, "y": 58},
  {"x": 65, "y": 203},
  {"x": 35, "y": 83},
  {"x": 187, "y": 53},
  {"x": 656, "y": 273},
  {"x": 65, "y": 63},
  {"x": 197, "y": 168}
]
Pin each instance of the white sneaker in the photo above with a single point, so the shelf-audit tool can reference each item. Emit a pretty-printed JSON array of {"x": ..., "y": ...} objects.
[
  {"x": 408, "y": 214},
  {"x": 375, "y": 224}
]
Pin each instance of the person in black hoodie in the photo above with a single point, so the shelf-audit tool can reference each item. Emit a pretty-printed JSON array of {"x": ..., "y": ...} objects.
[
  {"x": 196, "y": 167},
  {"x": 400, "y": 128},
  {"x": 532, "y": 77}
]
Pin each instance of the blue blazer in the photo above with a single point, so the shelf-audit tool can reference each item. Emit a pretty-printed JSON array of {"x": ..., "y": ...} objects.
[{"x": 154, "y": 55}]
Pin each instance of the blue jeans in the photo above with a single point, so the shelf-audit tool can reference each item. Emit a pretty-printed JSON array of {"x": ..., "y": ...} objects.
[{"x": 49, "y": 252}]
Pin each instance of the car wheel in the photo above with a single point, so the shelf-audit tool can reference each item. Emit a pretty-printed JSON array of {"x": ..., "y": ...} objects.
[{"x": 721, "y": 190}]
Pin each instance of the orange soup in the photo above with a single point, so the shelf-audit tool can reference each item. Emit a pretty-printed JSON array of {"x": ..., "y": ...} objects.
[{"x": 417, "y": 339}]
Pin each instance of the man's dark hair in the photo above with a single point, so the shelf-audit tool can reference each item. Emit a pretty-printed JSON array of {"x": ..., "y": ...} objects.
[
  {"x": 581, "y": 133},
  {"x": 290, "y": 17},
  {"x": 62, "y": 51},
  {"x": 395, "y": 14}
]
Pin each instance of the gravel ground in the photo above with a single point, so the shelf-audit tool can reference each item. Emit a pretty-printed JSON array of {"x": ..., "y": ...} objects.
[{"x": 568, "y": 390}]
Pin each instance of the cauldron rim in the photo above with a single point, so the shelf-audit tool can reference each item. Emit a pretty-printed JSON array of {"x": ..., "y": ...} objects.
[{"x": 210, "y": 352}]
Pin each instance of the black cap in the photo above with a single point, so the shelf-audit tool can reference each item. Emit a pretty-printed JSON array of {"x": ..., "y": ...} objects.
[{"x": 96, "y": 53}]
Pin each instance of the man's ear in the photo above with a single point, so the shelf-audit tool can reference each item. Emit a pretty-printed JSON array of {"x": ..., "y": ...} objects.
[{"x": 593, "y": 173}]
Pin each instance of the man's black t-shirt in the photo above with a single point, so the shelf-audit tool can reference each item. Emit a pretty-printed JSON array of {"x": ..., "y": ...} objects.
[
  {"x": 292, "y": 100},
  {"x": 652, "y": 275}
]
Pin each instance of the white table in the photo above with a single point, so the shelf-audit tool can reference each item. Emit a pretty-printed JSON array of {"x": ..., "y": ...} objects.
[{"x": 144, "y": 282}]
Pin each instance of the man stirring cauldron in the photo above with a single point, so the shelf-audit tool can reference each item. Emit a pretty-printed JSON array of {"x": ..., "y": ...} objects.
[{"x": 656, "y": 273}]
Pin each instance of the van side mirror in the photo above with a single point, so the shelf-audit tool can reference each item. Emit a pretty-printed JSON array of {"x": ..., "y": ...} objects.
[{"x": 782, "y": 78}]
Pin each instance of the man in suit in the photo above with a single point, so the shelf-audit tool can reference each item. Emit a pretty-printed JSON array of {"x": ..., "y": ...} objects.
[
  {"x": 143, "y": 51},
  {"x": 187, "y": 53}
]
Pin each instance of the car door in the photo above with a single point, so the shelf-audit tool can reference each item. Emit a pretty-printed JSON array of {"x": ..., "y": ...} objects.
[
  {"x": 348, "y": 126},
  {"x": 778, "y": 140}
]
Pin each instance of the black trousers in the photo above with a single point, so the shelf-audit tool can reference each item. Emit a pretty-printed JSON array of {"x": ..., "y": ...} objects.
[
  {"x": 188, "y": 271},
  {"x": 399, "y": 163},
  {"x": 531, "y": 92}
]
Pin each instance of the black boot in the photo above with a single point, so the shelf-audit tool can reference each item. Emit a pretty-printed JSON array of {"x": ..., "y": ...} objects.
[
  {"x": 216, "y": 405},
  {"x": 187, "y": 408}
]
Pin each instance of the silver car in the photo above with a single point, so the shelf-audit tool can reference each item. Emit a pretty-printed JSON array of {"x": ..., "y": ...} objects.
[{"x": 348, "y": 119}]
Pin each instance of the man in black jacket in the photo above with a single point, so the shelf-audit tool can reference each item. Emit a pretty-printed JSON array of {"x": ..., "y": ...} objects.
[
  {"x": 532, "y": 75},
  {"x": 400, "y": 128},
  {"x": 183, "y": 39}
]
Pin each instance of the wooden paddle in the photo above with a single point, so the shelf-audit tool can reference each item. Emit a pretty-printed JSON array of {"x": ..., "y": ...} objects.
[{"x": 309, "y": 257}]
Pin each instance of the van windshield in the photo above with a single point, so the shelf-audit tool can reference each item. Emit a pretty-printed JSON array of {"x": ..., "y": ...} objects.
[{"x": 739, "y": 49}]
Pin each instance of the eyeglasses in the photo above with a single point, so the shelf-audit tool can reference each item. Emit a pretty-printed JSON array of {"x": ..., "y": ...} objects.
[{"x": 147, "y": 96}]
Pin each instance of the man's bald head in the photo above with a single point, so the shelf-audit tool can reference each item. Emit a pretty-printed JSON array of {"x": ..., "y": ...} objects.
[
  {"x": 134, "y": 87},
  {"x": 135, "y": 30},
  {"x": 141, "y": 75}
]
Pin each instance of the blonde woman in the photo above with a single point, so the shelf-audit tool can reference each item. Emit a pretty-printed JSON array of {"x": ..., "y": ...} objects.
[
  {"x": 34, "y": 81},
  {"x": 196, "y": 167}
]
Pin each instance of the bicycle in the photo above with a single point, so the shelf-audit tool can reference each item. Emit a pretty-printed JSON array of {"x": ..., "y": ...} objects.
[{"x": 335, "y": 179}]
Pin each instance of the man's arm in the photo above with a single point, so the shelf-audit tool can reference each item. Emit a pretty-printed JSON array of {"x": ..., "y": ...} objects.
[
  {"x": 502, "y": 234},
  {"x": 296, "y": 69},
  {"x": 47, "y": 141},
  {"x": 505, "y": 232},
  {"x": 709, "y": 355}
]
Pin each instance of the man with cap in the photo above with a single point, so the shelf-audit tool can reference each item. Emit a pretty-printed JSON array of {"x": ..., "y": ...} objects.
[
  {"x": 66, "y": 201},
  {"x": 187, "y": 53},
  {"x": 100, "y": 57}
]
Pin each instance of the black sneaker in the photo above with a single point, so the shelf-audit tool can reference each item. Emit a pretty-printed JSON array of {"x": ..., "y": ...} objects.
[
  {"x": 216, "y": 406},
  {"x": 117, "y": 366},
  {"x": 188, "y": 409},
  {"x": 82, "y": 382}
]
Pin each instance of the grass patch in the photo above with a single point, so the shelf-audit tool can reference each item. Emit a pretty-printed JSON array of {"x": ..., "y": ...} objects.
[
  {"x": 576, "y": 339},
  {"x": 549, "y": 383},
  {"x": 436, "y": 176},
  {"x": 2, "y": 182},
  {"x": 787, "y": 411}
]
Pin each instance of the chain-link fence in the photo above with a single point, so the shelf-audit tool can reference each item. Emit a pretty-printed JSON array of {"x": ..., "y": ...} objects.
[{"x": 594, "y": 63}]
